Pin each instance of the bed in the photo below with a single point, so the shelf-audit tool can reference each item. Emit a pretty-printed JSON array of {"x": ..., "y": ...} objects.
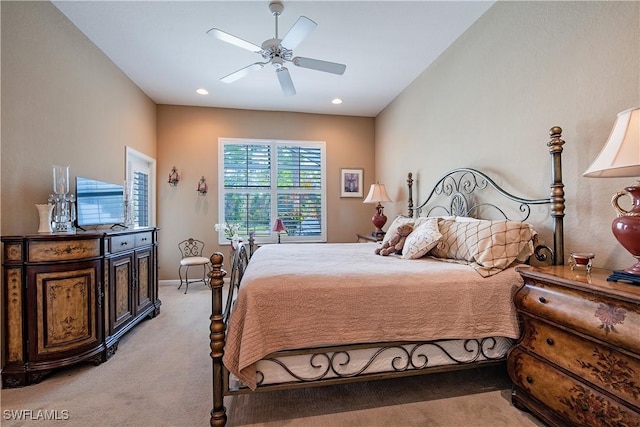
[{"x": 302, "y": 315}]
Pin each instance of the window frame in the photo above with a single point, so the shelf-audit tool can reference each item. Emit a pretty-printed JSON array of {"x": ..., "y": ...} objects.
[{"x": 273, "y": 190}]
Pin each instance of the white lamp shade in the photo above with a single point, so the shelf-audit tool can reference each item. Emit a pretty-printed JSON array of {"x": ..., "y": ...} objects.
[
  {"x": 620, "y": 156},
  {"x": 377, "y": 194}
]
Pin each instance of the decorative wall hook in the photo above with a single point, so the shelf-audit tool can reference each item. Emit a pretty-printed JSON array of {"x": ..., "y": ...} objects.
[
  {"x": 174, "y": 177},
  {"x": 202, "y": 187}
]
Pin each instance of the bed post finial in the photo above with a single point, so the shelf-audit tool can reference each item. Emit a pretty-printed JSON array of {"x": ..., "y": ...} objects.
[
  {"x": 410, "y": 202},
  {"x": 557, "y": 193},
  {"x": 217, "y": 336}
]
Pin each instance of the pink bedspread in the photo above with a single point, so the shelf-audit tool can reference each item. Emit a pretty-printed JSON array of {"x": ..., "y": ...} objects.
[{"x": 309, "y": 295}]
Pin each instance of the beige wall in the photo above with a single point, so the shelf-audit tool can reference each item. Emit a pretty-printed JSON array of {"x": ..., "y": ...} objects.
[
  {"x": 188, "y": 139},
  {"x": 489, "y": 101},
  {"x": 63, "y": 102}
]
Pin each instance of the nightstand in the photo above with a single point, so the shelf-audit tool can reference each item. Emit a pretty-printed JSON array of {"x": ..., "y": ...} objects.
[
  {"x": 578, "y": 359},
  {"x": 364, "y": 238}
]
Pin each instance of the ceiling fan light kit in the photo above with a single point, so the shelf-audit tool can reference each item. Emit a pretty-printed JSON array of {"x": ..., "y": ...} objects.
[{"x": 278, "y": 51}]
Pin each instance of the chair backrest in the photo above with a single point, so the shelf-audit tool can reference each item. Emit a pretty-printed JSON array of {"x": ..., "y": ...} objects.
[{"x": 191, "y": 247}]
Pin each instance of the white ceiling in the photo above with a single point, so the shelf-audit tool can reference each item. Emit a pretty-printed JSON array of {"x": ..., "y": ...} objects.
[{"x": 162, "y": 46}]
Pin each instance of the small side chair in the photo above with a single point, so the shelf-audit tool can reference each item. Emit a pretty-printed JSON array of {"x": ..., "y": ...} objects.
[{"x": 191, "y": 252}]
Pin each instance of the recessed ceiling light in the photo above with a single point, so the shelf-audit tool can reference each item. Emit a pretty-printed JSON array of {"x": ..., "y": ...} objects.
[
  {"x": 336, "y": 101},
  {"x": 202, "y": 91}
]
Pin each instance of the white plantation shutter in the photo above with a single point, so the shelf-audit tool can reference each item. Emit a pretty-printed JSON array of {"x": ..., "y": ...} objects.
[
  {"x": 140, "y": 198},
  {"x": 262, "y": 180},
  {"x": 140, "y": 176},
  {"x": 300, "y": 183}
]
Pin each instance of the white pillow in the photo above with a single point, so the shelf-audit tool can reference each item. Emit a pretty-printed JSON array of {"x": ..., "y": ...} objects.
[
  {"x": 397, "y": 222},
  {"x": 466, "y": 219},
  {"x": 422, "y": 239}
]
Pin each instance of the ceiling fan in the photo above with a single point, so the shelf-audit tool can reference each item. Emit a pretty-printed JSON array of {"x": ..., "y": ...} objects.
[{"x": 278, "y": 52}]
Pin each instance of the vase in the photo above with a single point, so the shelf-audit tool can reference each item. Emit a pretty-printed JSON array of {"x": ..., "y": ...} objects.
[{"x": 45, "y": 211}]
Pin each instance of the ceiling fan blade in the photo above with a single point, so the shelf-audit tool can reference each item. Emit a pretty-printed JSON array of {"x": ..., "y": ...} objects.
[
  {"x": 298, "y": 32},
  {"x": 316, "y": 64},
  {"x": 237, "y": 75},
  {"x": 285, "y": 81},
  {"x": 236, "y": 41}
]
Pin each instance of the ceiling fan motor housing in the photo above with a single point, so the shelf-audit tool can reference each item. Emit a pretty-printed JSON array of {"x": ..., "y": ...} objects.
[{"x": 272, "y": 49}]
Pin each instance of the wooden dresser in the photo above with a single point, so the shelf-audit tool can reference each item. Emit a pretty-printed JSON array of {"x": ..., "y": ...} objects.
[
  {"x": 68, "y": 298},
  {"x": 578, "y": 360}
]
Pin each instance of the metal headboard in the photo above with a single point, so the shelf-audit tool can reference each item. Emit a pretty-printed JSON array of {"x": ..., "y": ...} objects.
[{"x": 456, "y": 193}]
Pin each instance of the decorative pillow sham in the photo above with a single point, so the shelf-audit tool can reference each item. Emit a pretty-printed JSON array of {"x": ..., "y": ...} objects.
[
  {"x": 422, "y": 239},
  {"x": 397, "y": 222},
  {"x": 490, "y": 246}
]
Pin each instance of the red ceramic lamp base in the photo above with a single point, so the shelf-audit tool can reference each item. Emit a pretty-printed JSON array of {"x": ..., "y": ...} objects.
[
  {"x": 626, "y": 228},
  {"x": 379, "y": 219}
]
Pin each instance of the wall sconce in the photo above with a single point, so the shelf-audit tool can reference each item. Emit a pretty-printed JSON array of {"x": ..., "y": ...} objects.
[
  {"x": 174, "y": 177},
  {"x": 202, "y": 187}
]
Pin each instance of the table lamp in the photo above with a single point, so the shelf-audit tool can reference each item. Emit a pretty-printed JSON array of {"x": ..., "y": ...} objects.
[
  {"x": 278, "y": 227},
  {"x": 378, "y": 194},
  {"x": 620, "y": 157}
]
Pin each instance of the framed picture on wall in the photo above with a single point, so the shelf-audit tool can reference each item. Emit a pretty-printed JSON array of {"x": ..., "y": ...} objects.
[{"x": 351, "y": 182}]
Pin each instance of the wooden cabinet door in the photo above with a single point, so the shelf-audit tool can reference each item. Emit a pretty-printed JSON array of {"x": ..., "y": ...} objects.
[
  {"x": 64, "y": 309},
  {"x": 122, "y": 303},
  {"x": 144, "y": 279}
]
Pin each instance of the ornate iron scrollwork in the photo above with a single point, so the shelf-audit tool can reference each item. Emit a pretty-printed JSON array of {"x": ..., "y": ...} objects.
[
  {"x": 457, "y": 193},
  {"x": 239, "y": 264},
  {"x": 337, "y": 363}
]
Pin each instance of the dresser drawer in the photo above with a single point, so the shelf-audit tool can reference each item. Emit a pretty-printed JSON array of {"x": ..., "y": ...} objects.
[
  {"x": 611, "y": 370},
  {"x": 121, "y": 243},
  {"x": 608, "y": 319},
  {"x": 144, "y": 239},
  {"x": 62, "y": 250},
  {"x": 566, "y": 396}
]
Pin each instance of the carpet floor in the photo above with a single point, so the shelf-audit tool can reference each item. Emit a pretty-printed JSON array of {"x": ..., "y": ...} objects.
[{"x": 161, "y": 376}]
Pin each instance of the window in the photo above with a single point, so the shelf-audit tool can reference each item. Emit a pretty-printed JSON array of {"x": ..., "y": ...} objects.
[
  {"x": 261, "y": 180},
  {"x": 140, "y": 182}
]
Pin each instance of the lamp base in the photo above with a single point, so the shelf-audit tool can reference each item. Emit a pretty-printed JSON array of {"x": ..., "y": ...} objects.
[
  {"x": 626, "y": 227},
  {"x": 624, "y": 277},
  {"x": 379, "y": 219}
]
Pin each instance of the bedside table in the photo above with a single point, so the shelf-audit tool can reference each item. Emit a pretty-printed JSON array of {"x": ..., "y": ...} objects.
[
  {"x": 578, "y": 359},
  {"x": 364, "y": 238}
]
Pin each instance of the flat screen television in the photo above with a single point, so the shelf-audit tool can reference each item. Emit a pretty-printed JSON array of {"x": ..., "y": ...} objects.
[{"x": 98, "y": 202}]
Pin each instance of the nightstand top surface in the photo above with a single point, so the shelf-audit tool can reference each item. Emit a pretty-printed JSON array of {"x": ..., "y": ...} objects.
[{"x": 596, "y": 281}]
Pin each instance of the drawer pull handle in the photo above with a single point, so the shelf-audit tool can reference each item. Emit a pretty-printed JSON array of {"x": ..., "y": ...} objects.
[
  {"x": 543, "y": 300},
  {"x": 550, "y": 341},
  {"x": 123, "y": 244},
  {"x": 529, "y": 380}
]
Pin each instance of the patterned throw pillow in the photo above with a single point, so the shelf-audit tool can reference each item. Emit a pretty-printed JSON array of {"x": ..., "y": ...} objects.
[
  {"x": 422, "y": 239},
  {"x": 490, "y": 246}
]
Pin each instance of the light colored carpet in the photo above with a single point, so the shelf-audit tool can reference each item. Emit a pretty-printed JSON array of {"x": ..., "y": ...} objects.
[{"x": 161, "y": 376}]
